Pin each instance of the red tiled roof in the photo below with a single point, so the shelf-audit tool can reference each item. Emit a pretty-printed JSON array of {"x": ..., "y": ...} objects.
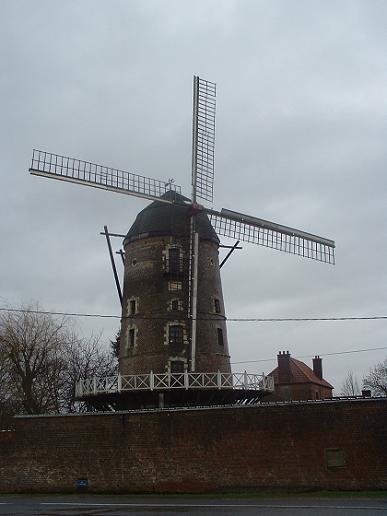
[{"x": 301, "y": 373}]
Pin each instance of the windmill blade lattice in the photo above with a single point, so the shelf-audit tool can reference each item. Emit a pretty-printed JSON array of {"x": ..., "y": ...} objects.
[
  {"x": 269, "y": 234},
  {"x": 55, "y": 166},
  {"x": 203, "y": 144}
]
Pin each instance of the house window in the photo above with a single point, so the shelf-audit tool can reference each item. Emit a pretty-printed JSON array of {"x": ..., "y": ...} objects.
[
  {"x": 177, "y": 366},
  {"x": 132, "y": 307},
  {"x": 176, "y": 337},
  {"x": 217, "y": 306},
  {"x": 132, "y": 337},
  {"x": 175, "y": 305},
  {"x": 220, "y": 336}
]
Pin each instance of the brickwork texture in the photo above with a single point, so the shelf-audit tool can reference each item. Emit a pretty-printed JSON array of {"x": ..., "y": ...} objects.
[
  {"x": 153, "y": 291},
  {"x": 326, "y": 445}
]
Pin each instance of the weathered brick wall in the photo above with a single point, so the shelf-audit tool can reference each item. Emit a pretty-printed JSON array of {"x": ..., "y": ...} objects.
[
  {"x": 334, "y": 445},
  {"x": 299, "y": 391}
]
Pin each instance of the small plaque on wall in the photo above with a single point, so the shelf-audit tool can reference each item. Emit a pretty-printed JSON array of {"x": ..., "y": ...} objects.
[
  {"x": 335, "y": 457},
  {"x": 82, "y": 484}
]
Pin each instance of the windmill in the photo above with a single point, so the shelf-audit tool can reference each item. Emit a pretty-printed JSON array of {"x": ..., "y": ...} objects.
[{"x": 172, "y": 336}]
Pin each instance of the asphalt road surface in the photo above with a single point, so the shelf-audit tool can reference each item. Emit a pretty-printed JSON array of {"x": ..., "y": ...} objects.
[{"x": 69, "y": 505}]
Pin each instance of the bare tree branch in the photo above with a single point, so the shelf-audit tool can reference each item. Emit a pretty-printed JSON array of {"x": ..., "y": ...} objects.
[
  {"x": 350, "y": 385},
  {"x": 376, "y": 380},
  {"x": 41, "y": 358}
]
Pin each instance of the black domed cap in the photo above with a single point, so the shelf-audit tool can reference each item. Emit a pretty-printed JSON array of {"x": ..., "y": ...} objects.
[{"x": 162, "y": 219}]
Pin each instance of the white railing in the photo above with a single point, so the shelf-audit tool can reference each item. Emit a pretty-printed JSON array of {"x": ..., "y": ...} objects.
[{"x": 167, "y": 381}]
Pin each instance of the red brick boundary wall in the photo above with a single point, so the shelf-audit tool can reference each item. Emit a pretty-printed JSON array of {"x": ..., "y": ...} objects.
[{"x": 321, "y": 445}]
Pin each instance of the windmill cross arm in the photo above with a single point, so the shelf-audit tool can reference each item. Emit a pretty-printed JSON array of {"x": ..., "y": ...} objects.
[
  {"x": 286, "y": 230},
  {"x": 269, "y": 234},
  {"x": 55, "y": 166}
]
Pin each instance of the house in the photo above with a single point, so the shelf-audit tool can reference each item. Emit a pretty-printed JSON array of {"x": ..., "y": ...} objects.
[{"x": 294, "y": 380}]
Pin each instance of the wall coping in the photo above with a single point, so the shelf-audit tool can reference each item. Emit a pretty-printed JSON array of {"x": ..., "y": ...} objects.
[{"x": 262, "y": 405}]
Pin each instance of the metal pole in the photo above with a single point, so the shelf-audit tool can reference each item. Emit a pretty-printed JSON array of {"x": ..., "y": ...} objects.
[
  {"x": 106, "y": 233},
  {"x": 194, "y": 298},
  {"x": 194, "y": 237},
  {"x": 194, "y": 134}
]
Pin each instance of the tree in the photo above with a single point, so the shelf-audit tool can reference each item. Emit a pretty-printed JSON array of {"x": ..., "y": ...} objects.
[
  {"x": 115, "y": 345},
  {"x": 85, "y": 358},
  {"x": 31, "y": 344},
  {"x": 41, "y": 357},
  {"x": 6, "y": 400},
  {"x": 350, "y": 385},
  {"x": 376, "y": 380}
]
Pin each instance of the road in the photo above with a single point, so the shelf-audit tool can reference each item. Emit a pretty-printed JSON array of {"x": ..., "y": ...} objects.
[{"x": 93, "y": 505}]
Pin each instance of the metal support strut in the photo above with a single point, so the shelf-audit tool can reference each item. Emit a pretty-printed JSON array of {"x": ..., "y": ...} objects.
[{"x": 117, "y": 281}]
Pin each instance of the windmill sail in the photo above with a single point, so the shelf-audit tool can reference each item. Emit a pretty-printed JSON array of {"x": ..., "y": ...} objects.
[
  {"x": 269, "y": 234},
  {"x": 203, "y": 139},
  {"x": 203, "y": 149},
  {"x": 74, "y": 170}
]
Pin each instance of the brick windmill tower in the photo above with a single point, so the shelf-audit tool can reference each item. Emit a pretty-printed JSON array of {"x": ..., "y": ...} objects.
[
  {"x": 173, "y": 345},
  {"x": 156, "y": 333}
]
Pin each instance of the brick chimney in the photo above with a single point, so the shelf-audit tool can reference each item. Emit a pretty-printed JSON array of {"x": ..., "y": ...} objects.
[
  {"x": 317, "y": 367},
  {"x": 284, "y": 374}
]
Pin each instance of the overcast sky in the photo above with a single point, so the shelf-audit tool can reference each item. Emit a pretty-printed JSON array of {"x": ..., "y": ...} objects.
[{"x": 301, "y": 140}]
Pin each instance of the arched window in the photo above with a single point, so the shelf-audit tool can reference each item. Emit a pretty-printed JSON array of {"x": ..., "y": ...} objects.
[{"x": 131, "y": 341}]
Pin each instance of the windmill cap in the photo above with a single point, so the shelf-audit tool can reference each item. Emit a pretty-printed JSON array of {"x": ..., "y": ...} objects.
[{"x": 161, "y": 219}]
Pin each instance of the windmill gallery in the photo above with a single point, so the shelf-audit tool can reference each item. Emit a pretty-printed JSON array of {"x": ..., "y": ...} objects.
[{"x": 176, "y": 407}]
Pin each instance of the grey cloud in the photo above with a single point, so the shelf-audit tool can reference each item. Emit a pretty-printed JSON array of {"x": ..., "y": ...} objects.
[{"x": 301, "y": 132}]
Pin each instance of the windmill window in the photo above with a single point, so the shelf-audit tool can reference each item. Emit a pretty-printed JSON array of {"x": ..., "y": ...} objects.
[
  {"x": 132, "y": 307},
  {"x": 134, "y": 261},
  {"x": 174, "y": 286},
  {"x": 175, "y": 305},
  {"x": 217, "y": 306},
  {"x": 174, "y": 261},
  {"x": 220, "y": 336},
  {"x": 176, "y": 337},
  {"x": 132, "y": 337},
  {"x": 177, "y": 366}
]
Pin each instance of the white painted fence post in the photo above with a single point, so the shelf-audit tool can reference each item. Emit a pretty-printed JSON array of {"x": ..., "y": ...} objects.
[
  {"x": 245, "y": 380},
  {"x": 218, "y": 379},
  {"x": 151, "y": 380},
  {"x": 264, "y": 382}
]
